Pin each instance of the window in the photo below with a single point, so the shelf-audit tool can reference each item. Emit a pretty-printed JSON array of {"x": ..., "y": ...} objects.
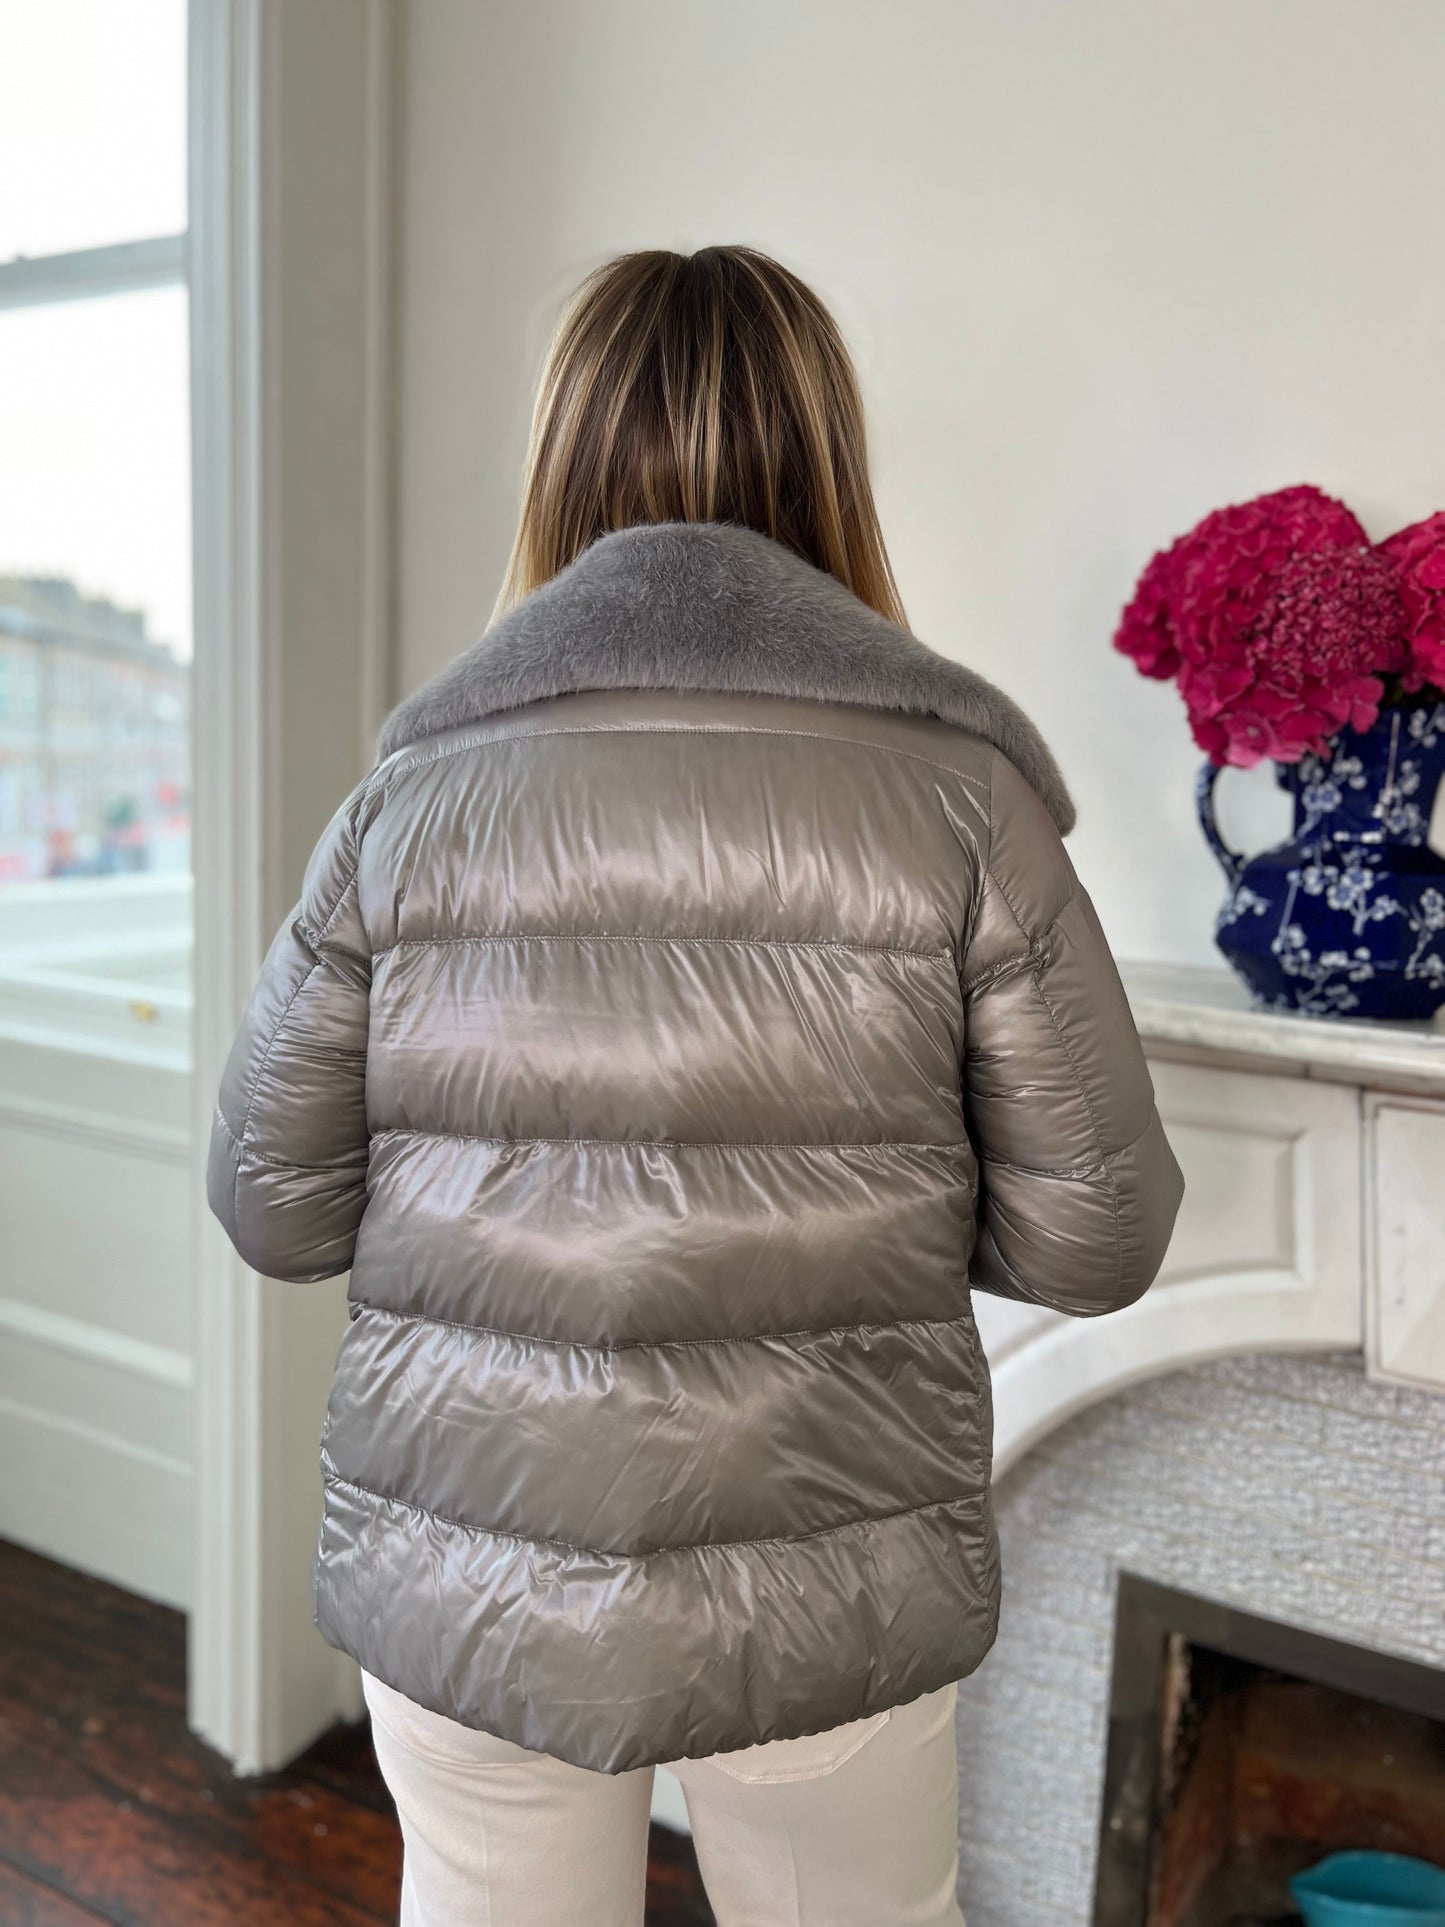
[{"x": 95, "y": 590}]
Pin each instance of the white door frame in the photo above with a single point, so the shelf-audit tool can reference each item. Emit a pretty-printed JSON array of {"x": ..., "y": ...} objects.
[
  {"x": 234, "y": 846},
  {"x": 261, "y": 1682}
]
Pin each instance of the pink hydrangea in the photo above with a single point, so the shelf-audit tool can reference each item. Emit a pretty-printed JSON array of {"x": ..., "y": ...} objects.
[
  {"x": 1303, "y": 665},
  {"x": 1148, "y": 631},
  {"x": 1419, "y": 554},
  {"x": 1214, "y": 577},
  {"x": 1275, "y": 617}
]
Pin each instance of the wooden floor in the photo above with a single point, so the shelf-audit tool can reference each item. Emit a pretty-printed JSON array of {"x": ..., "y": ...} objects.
[{"x": 111, "y": 1811}]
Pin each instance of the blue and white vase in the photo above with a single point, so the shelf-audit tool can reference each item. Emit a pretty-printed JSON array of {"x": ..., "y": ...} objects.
[{"x": 1346, "y": 919}]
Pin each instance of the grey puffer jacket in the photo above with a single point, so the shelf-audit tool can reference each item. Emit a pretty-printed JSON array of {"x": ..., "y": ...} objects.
[{"x": 693, "y": 1004}]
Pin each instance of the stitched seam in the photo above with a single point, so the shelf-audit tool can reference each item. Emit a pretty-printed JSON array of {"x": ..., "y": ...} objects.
[
  {"x": 641, "y": 937},
  {"x": 1118, "y": 1295},
  {"x": 260, "y": 1070},
  {"x": 1073, "y": 1065},
  {"x": 662, "y": 1344},
  {"x": 1104, "y": 1154},
  {"x": 687, "y": 1144},
  {"x": 1113, "y": 1157},
  {"x": 347, "y": 886},
  {"x": 988, "y": 853},
  {"x": 1062, "y": 1174},
  {"x": 994, "y": 878},
  {"x": 1032, "y": 958},
  {"x": 1013, "y": 911},
  {"x": 253, "y": 1156},
  {"x": 1007, "y": 967},
  {"x": 334, "y": 949},
  {"x": 314, "y": 941},
  {"x": 686, "y": 729},
  {"x": 1035, "y": 942},
  {"x": 374, "y": 786},
  {"x": 656, "y": 1552}
]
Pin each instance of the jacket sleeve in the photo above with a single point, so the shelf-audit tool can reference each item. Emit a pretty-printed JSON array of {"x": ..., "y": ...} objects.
[
  {"x": 1078, "y": 1186},
  {"x": 289, "y": 1143}
]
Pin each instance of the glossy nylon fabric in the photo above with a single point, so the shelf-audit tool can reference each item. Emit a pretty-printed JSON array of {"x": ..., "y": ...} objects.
[{"x": 667, "y": 1067}]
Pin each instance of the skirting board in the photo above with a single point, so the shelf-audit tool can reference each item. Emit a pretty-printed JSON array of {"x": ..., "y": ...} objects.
[{"x": 94, "y": 1500}]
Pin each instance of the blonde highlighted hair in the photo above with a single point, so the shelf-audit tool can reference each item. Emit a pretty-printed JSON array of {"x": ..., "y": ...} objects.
[{"x": 707, "y": 387}]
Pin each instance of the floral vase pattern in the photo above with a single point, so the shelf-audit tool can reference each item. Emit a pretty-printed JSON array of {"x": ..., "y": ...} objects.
[{"x": 1347, "y": 918}]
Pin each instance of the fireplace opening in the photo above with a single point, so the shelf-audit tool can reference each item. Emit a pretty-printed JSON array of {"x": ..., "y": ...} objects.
[{"x": 1242, "y": 1750}]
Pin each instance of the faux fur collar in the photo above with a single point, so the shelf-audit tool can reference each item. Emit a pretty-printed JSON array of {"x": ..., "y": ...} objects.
[{"x": 710, "y": 606}]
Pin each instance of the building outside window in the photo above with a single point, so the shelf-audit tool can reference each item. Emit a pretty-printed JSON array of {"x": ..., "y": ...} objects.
[
  {"x": 95, "y": 523},
  {"x": 94, "y": 737}
]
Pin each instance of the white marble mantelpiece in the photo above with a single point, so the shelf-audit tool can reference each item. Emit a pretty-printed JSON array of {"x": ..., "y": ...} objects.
[{"x": 1187, "y": 1008}]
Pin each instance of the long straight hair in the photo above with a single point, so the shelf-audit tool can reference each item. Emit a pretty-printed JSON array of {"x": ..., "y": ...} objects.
[{"x": 708, "y": 387}]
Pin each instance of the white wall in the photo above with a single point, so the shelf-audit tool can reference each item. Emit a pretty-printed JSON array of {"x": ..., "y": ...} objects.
[{"x": 1103, "y": 268}]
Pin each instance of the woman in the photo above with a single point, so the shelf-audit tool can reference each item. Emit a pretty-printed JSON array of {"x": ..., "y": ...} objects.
[{"x": 691, "y": 1006}]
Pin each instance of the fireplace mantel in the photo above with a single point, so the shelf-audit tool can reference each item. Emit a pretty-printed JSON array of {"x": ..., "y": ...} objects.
[
  {"x": 1314, "y": 1153},
  {"x": 1184, "y": 1011}
]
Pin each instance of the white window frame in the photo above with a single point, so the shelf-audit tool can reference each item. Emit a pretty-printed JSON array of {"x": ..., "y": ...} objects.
[{"x": 89, "y": 274}]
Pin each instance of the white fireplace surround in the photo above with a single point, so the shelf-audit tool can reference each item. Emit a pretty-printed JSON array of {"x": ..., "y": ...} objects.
[{"x": 1313, "y": 1153}]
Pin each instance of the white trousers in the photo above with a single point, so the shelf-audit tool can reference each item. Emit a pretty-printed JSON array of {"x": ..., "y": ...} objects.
[{"x": 856, "y": 1827}]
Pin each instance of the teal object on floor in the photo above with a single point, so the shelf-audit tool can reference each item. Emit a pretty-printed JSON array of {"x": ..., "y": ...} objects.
[{"x": 1371, "y": 1890}]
